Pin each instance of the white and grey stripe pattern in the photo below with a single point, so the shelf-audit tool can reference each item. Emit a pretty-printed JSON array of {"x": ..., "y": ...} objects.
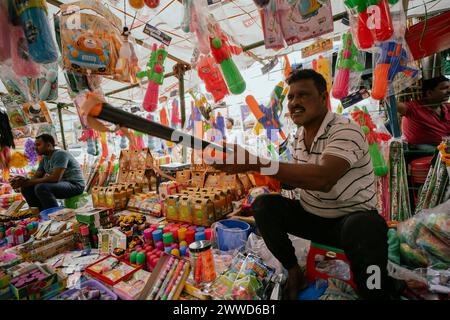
[{"x": 355, "y": 190}]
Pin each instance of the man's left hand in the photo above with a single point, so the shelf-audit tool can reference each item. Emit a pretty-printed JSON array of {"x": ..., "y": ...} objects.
[{"x": 237, "y": 160}]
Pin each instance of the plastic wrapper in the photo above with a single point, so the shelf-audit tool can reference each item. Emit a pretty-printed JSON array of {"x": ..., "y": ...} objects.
[
  {"x": 256, "y": 245},
  {"x": 394, "y": 68},
  {"x": 433, "y": 246},
  {"x": 408, "y": 231},
  {"x": 302, "y": 20},
  {"x": 437, "y": 220},
  {"x": 248, "y": 278},
  {"x": 349, "y": 67},
  {"x": 439, "y": 280},
  {"x": 92, "y": 42},
  {"x": 413, "y": 257},
  {"x": 270, "y": 20}
]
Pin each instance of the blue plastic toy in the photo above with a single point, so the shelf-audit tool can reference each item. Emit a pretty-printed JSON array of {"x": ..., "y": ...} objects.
[{"x": 32, "y": 15}]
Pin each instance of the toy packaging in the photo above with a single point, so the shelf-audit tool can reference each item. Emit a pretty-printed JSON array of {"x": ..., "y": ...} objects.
[
  {"x": 302, "y": 20},
  {"x": 132, "y": 288},
  {"x": 92, "y": 43},
  {"x": 111, "y": 270}
]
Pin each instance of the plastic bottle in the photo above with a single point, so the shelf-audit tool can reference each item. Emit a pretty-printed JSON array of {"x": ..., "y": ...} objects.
[
  {"x": 203, "y": 262},
  {"x": 140, "y": 258},
  {"x": 167, "y": 239}
]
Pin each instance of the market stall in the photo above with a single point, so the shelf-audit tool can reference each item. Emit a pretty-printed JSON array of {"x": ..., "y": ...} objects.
[{"x": 138, "y": 92}]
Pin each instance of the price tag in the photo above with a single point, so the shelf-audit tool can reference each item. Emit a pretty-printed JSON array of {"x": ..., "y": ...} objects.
[{"x": 157, "y": 34}]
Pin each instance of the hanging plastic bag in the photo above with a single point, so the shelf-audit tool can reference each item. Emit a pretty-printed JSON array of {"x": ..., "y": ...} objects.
[
  {"x": 270, "y": 20},
  {"x": 91, "y": 43},
  {"x": 302, "y": 20},
  {"x": 349, "y": 67}
]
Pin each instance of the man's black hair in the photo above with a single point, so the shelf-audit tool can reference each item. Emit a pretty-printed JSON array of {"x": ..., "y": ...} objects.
[
  {"x": 431, "y": 84},
  {"x": 300, "y": 74},
  {"x": 47, "y": 138},
  {"x": 231, "y": 120}
]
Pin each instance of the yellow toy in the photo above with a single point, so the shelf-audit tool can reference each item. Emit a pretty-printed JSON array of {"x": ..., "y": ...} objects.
[{"x": 323, "y": 66}]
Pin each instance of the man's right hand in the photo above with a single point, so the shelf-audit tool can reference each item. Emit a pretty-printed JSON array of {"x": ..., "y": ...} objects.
[{"x": 17, "y": 182}]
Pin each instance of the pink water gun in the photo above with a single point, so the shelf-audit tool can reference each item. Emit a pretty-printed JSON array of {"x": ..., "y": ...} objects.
[
  {"x": 346, "y": 63},
  {"x": 155, "y": 75}
]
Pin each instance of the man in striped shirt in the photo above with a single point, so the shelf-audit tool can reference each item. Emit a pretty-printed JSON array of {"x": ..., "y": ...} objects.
[{"x": 333, "y": 173}]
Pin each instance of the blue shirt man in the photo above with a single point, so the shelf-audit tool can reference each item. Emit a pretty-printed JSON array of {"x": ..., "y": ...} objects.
[{"x": 58, "y": 176}]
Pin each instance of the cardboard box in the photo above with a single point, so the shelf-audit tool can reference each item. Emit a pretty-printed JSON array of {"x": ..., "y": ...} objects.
[
  {"x": 110, "y": 239},
  {"x": 171, "y": 207},
  {"x": 202, "y": 212},
  {"x": 185, "y": 209},
  {"x": 62, "y": 215},
  {"x": 37, "y": 288},
  {"x": 131, "y": 289}
]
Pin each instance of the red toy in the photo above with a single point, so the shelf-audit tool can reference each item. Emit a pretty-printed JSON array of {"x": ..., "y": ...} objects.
[{"x": 213, "y": 79}]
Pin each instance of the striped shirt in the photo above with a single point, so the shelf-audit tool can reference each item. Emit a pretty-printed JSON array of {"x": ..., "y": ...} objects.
[{"x": 355, "y": 190}]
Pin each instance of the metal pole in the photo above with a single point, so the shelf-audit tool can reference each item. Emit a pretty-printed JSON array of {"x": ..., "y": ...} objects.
[
  {"x": 180, "y": 69},
  {"x": 61, "y": 125}
]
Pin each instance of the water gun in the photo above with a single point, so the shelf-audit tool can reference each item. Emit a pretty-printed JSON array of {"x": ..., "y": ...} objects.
[
  {"x": 175, "y": 117},
  {"x": 151, "y": 3},
  {"x": 193, "y": 22},
  {"x": 33, "y": 19},
  {"x": 362, "y": 117},
  {"x": 393, "y": 59},
  {"x": 346, "y": 63},
  {"x": 219, "y": 124},
  {"x": 287, "y": 69},
  {"x": 51, "y": 79},
  {"x": 195, "y": 116},
  {"x": 88, "y": 135},
  {"x": 222, "y": 52},
  {"x": 269, "y": 117},
  {"x": 210, "y": 74},
  {"x": 155, "y": 75},
  {"x": 104, "y": 142},
  {"x": 323, "y": 66},
  {"x": 374, "y": 21}
]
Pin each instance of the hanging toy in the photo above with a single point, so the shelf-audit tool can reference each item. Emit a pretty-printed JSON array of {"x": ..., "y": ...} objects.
[
  {"x": 347, "y": 63},
  {"x": 362, "y": 117},
  {"x": 210, "y": 74},
  {"x": 175, "y": 117},
  {"x": 323, "y": 66},
  {"x": 33, "y": 18},
  {"x": 30, "y": 152},
  {"x": 374, "y": 22},
  {"x": 220, "y": 124},
  {"x": 163, "y": 119},
  {"x": 50, "y": 79},
  {"x": 269, "y": 117},
  {"x": 195, "y": 22},
  {"x": 140, "y": 144},
  {"x": 104, "y": 142},
  {"x": 136, "y": 4},
  {"x": 123, "y": 142},
  {"x": 152, "y": 3},
  {"x": 22, "y": 64},
  {"x": 221, "y": 52},
  {"x": 127, "y": 64},
  {"x": 155, "y": 76},
  {"x": 5, "y": 41}
]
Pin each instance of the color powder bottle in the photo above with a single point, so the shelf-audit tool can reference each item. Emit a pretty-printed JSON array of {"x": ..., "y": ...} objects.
[
  {"x": 202, "y": 261},
  {"x": 84, "y": 232}
]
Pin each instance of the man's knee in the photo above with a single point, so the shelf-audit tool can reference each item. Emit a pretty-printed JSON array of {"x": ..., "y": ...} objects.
[
  {"x": 262, "y": 205},
  {"x": 41, "y": 188}
]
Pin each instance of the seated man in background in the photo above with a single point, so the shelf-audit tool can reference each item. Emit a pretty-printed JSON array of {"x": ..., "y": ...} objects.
[
  {"x": 333, "y": 172},
  {"x": 58, "y": 176},
  {"x": 427, "y": 121}
]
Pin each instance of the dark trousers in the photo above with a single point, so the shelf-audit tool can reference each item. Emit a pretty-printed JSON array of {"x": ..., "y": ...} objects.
[
  {"x": 44, "y": 195},
  {"x": 362, "y": 236}
]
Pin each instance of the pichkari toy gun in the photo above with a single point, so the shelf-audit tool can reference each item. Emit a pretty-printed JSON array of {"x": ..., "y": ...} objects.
[
  {"x": 104, "y": 142},
  {"x": 212, "y": 77},
  {"x": 32, "y": 15},
  {"x": 155, "y": 75},
  {"x": 269, "y": 117},
  {"x": 362, "y": 117},
  {"x": 347, "y": 62},
  {"x": 221, "y": 52},
  {"x": 193, "y": 22},
  {"x": 323, "y": 66},
  {"x": 374, "y": 21},
  {"x": 393, "y": 59},
  {"x": 50, "y": 80},
  {"x": 202, "y": 104}
]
